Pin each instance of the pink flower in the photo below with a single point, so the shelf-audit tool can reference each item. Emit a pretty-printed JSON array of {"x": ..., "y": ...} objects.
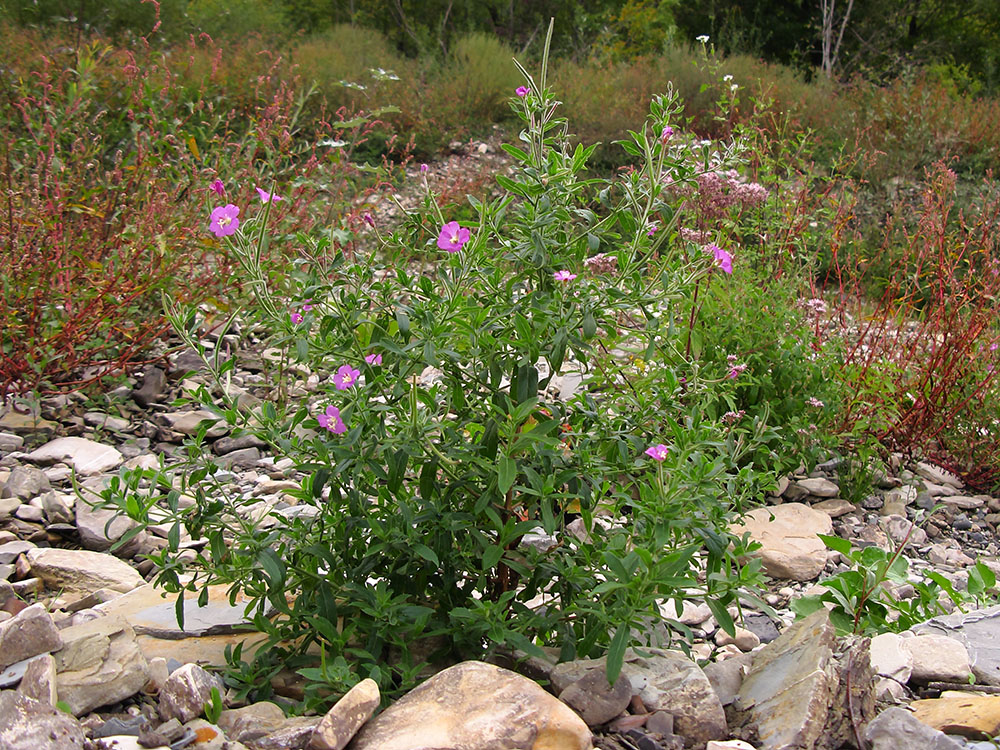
[
  {"x": 218, "y": 188},
  {"x": 736, "y": 371},
  {"x": 813, "y": 401},
  {"x": 266, "y": 197},
  {"x": 345, "y": 377},
  {"x": 452, "y": 237},
  {"x": 424, "y": 168},
  {"x": 657, "y": 452},
  {"x": 296, "y": 317},
  {"x": 224, "y": 221},
  {"x": 369, "y": 220},
  {"x": 564, "y": 276},
  {"x": 330, "y": 420},
  {"x": 666, "y": 133},
  {"x": 307, "y": 305},
  {"x": 722, "y": 259},
  {"x": 652, "y": 229},
  {"x": 731, "y": 417},
  {"x": 373, "y": 359},
  {"x": 522, "y": 91}
]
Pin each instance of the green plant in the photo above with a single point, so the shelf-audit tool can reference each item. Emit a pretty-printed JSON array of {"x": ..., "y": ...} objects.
[
  {"x": 214, "y": 707},
  {"x": 450, "y": 505},
  {"x": 861, "y": 602}
]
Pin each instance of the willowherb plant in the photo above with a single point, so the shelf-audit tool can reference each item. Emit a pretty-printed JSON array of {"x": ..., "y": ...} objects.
[{"x": 458, "y": 491}]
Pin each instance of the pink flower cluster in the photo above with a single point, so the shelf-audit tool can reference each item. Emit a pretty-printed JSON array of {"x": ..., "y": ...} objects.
[
  {"x": 732, "y": 417},
  {"x": 697, "y": 236},
  {"x": 735, "y": 370},
  {"x": 602, "y": 263},
  {"x": 717, "y": 192}
]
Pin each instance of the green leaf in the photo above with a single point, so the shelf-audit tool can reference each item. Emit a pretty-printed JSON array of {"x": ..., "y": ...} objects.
[
  {"x": 492, "y": 556},
  {"x": 506, "y": 473},
  {"x": 616, "y": 653},
  {"x": 589, "y": 326},
  {"x": 843, "y": 546},
  {"x": 722, "y": 615},
  {"x": 427, "y": 553}
]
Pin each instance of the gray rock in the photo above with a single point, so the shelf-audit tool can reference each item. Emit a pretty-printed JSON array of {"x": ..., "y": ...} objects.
[
  {"x": 979, "y": 632},
  {"x": 185, "y": 693},
  {"x": 819, "y": 487},
  {"x": 100, "y": 663},
  {"x": 937, "y": 475},
  {"x": 188, "y": 422},
  {"x": 225, "y": 445},
  {"x": 9, "y": 551},
  {"x": 788, "y": 690},
  {"x": 26, "y": 482},
  {"x": 57, "y": 510},
  {"x": 251, "y": 722},
  {"x": 27, "y": 724},
  {"x": 105, "y": 421},
  {"x": 39, "y": 681},
  {"x": 28, "y": 633},
  {"x": 727, "y": 676},
  {"x": 82, "y": 571},
  {"x": 153, "y": 382},
  {"x": 13, "y": 674},
  {"x": 346, "y": 717},
  {"x": 99, "y": 528},
  {"x": 294, "y": 734},
  {"x": 664, "y": 681},
  {"x": 85, "y": 456},
  {"x": 30, "y": 513},
  {"x": 595, "y": 700},
  {"x": 8, "y": 506},
  {"x": 890, "y": 658},
  {"x": 10, "y": 442},
  {"x": 898, "y": 729},
  {"x": 762, "y": 625},
  {"x": 245, "y": 457}
]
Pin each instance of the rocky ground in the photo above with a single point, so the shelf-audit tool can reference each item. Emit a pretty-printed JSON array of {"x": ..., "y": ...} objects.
[{"x": 82, "y": 629}]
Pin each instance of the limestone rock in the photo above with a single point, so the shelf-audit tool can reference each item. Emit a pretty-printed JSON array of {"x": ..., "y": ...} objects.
[
  {"x": 979, "y": 631},
  {"x": 790, "y": 547},
  {"x": 82, "y": 571},
  {"x": 973, "y": 716},
  {"x": 891, "y": 658},
  {"x": 664, "y": 681},
  {"x": 835, "y": 507},
  {"x": 26, "y": 482},
  {"x": 251, "y": 722},
  {"x": 788, "y": 689},
  {"x": 293, "y": 734},
  {"x": 39, "y": 681},
  {"x": 595, "y": 700},
  {"x": 937, "y": 657},
  {"x": 346, "y": 717},
  {"x": 100, "y": 663},
  {"x": 471, "y": 706},
  {"x": 897, "y": 728},
  {"x": 187, "y": 422},
  {"x": 99, "y": 528},
  {"x": 87, "y": 457},
  {"x": 726, "y": 676},
  {"x": 185, "y": 693},
  {"x": 27, "y": 724},
  {"x": 819, "y": 487},
  {"x": 28, "y": 633}
]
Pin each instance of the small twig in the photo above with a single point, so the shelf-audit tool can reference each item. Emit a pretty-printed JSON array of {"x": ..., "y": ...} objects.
[{"x": 964, "y": 687}]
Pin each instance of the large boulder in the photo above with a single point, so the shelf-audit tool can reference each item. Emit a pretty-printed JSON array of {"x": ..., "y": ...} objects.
[
  {"x": 790, "y": 548},
  {"x": 473, "y": 706},
  {"x": 82, "y": 571}
]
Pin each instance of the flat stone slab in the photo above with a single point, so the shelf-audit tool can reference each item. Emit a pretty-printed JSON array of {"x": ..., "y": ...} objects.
[
  {"x": 152, "y": 612},
  {"x": 979, "y": 632},
  {"x": 87, "y": 457}
]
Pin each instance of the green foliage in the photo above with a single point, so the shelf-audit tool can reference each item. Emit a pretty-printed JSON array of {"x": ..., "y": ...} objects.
[
  {"x": 462, "y": 508},
  {"x": 861, "y": 601},
  {"x": 214, "y": 707}
]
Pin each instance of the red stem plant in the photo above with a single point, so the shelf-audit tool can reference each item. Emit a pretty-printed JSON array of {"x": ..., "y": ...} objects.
[
  {"x": 922, "y": 358},
  {"x": 107, "y": 160}
]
